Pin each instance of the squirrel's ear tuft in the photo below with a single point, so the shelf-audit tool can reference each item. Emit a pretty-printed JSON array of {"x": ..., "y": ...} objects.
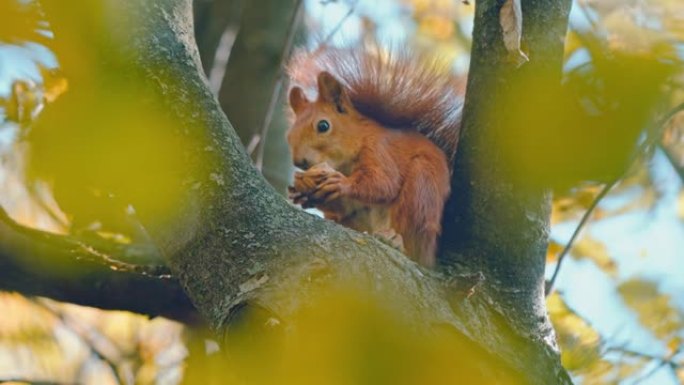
[
  {"x": 297, "y": 99},
  {"x": 330, "y": 90}
]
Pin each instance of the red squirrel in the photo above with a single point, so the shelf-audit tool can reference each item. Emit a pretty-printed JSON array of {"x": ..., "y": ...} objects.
[{"x": 375, "y": 136}]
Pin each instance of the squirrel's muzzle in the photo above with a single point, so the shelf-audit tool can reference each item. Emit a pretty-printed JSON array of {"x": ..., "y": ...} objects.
[{"x": 302, "y": 164}]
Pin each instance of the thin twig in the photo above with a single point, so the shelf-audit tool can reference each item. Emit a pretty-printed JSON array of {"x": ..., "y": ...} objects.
[
  {"x": 221, "y": 57},
  {"x": 568, "y": 246},
  {"x": 38, "y": 200},
  {"x": 662, "y": 361},
  {"x": 277, "y": 87},
  {"x": 634, "y": 353},
  {"x": 253, "y": 143},
  {"x": 656, "y": 133},
  {"x": 650, "y": 373},
  {"x": 673, "y": 162},
  {"x": 584, "y": 8},
  {"x": 674, "y": 371},
  {"x": 261, "y": 144},
  {"x": 668, "y": 154},
  {"x": 671, "y": 114},
  {"x": 333, "y": 32}
]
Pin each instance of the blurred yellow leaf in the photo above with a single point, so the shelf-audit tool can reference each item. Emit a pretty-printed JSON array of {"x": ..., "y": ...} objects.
[
  {"x": 579, "y": 342},
  {"x": 573, "y": 204},
  {"x": 654, "y": 309},
  {"x": 552, "y": 251},
  {"x": 595, "y": 251},
  {"x": 420, "y": 5},
  {"x": 674, "y": 345},
  {"x": 582, "y": 351},
  {"x": 438, "y": 27},
  {"x": 343, "y": 337},
  {"x": 644, "y": 200},
  {"x": 33, "y": 342},
  {"x": 54, "y": 83},
  {"x": 28, "y": 322},
  {"x": 19, "y": 21},
  {"x": 588, "y": 129}
]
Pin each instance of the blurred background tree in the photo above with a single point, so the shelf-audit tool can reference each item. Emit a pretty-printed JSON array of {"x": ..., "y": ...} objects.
[{"x": 616, "y": 300}]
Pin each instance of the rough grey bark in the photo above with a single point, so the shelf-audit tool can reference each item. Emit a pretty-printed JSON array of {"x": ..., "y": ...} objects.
[
  {"x": 234, "y": 243},
  {"x": 493, "y": 223}
]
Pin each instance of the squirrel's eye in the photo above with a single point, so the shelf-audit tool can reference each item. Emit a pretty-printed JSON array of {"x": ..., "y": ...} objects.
[{"x": 323, "y": 126}]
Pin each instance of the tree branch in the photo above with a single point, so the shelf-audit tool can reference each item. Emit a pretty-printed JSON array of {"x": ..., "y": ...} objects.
[
  {"x": 36, "y": 263},
  {"x": 672, "y": 159}
]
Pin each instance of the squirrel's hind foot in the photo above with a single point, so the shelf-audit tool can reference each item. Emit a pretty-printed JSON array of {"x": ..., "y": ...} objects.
[{"x": 391, "y": 238}]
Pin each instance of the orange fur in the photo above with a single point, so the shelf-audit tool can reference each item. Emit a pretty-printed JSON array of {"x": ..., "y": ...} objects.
[{"x": 392, "y": 129}]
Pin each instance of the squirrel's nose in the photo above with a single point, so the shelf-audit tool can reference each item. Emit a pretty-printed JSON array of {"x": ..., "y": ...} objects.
[{"x": 302, "y": 163}]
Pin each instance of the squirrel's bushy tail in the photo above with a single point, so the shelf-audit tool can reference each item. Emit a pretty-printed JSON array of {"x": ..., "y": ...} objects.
[{"x": 397, "y": 88}]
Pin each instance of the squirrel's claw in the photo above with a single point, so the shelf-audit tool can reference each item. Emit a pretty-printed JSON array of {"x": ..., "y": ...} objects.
[
  {"x": 298, "y": 198},
  {"x": 335, "y": 186}
]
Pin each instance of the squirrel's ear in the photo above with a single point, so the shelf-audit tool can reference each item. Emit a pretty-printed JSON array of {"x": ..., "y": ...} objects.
[
  {"x": 297, "y": 99},
  {"x": 332, "y": 91}
]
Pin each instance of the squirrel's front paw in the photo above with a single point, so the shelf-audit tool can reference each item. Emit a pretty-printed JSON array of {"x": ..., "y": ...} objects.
[
  {"x": 298, "y": 197},
  {"x": 334, "y": 186}
]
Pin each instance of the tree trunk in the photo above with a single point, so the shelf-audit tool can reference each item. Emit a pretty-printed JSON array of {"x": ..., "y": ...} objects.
[
  {"x": 493, "y": 223},
  {"x": 235, "y": 244}
]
